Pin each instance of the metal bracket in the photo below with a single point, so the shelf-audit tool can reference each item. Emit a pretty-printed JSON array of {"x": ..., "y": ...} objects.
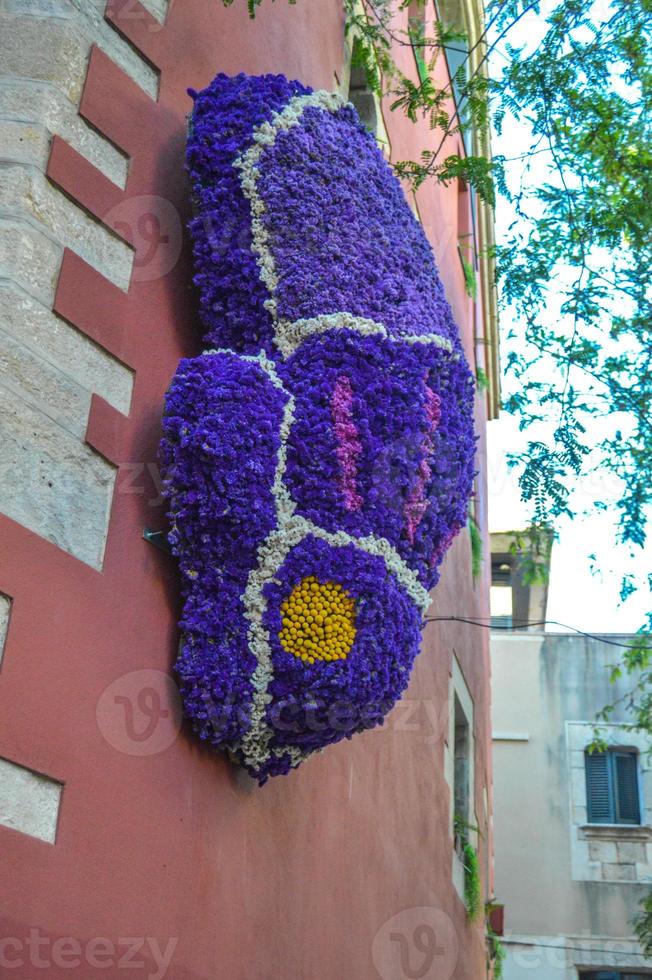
[{"x": 159, "y": 539}]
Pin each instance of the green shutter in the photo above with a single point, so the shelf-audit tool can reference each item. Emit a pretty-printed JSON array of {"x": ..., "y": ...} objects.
[
  {"x": 626, "y": 786},
  {"x": 612, "y": 787},
  {"x": 601, "y": 975},
  {"x": 599, "y": 797}
]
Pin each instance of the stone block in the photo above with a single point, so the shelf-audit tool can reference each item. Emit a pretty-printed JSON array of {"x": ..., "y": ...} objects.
[
  {"x": 78, "y": 24},
  {"x": 43, "y": 386},
  {"x": 24, "y": 101},
  {"x": 29, "y": 802},
  {"x": 644, "y": 873},
  {"x": 578, "y": 787},
  {"x": 57, "y": 55},
  {"x": 631, "y": 851},
  {"x": 579, "y": 815},
  {"x": 26, "y": 194},
  {"x": 157, "y": 8},
  {"x": 646, "y": 788},
  {"x": 603, "y": 850},
  {"x": 592, "y": 871},
  {"x": 46, "y": 334},
  {"x": 578, "y": 735},
  {"x": 24, "y": 142},
  {"x": 619, "y": 872},
  {"x": 29, "y": 258},
  {"x": 51, "y": 482}
]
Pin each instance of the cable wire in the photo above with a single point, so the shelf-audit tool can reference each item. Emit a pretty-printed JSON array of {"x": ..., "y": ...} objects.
[
  {"x": 580, "y": 949},
  {"x": 521, "y": 626}
]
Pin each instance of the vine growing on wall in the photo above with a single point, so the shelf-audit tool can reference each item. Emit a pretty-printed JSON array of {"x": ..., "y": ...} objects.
[
  {"x": 472, "y": 898},
  {"x": 471, "y": 865},
  {"x": 495, "y": 953}
]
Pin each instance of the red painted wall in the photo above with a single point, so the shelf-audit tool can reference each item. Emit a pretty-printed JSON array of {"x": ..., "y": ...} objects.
[{"x": 299, "y": 880}]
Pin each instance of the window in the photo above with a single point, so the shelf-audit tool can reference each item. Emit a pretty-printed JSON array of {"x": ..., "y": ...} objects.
[
  {"x": 365, "y": 100},
  {"x": 417, "y": 25},
  {"x": 462, "y": 763},
  {"x": 459, "y": 765},
  {"x": 458, "y": 57},
  {"x": 612, "y": 788},
  {"x": 502, "y": 596},
  {"x": 609, "y": 975}
]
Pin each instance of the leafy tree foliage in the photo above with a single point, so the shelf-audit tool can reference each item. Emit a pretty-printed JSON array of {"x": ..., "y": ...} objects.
[
  {"x": 643, "y": 925},
  {"x": 576, "y": 268}
]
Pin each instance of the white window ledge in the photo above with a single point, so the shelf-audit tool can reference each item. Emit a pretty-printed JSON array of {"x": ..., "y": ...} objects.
[{"x": 615, "y": 831}]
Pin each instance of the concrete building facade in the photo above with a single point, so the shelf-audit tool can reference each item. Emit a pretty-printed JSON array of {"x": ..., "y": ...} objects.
[{"x": 573, "y": 829}]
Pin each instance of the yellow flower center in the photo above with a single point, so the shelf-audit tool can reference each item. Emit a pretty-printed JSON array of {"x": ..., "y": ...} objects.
[{"x": 318, "y": 621}]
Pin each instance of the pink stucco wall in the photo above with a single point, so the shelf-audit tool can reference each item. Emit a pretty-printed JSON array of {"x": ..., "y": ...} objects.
[{"x": 300, "y": 880}]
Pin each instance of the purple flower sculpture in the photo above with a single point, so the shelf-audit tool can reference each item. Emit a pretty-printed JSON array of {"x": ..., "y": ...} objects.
[{"x": 319, "y": 455}]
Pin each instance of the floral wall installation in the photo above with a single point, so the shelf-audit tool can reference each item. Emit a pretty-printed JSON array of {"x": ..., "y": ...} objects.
[{"x": 319, "y": 455}]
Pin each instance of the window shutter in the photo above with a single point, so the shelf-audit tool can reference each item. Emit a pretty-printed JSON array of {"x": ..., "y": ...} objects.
[
  {"x": 608, "y": 975},
  {"x": 602, "y": 975},
  {"x": 598, "y": 788},
  {"x": 626, "y": 782}
]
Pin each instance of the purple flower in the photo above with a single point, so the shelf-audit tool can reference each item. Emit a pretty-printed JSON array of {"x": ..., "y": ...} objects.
[{"x": 321, "y": 458}]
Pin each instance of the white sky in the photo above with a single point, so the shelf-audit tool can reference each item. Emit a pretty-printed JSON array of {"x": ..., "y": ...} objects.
[{"x": 578, "y": 596}]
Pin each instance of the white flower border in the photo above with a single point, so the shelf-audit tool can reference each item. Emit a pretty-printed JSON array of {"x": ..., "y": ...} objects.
[{"x": 289, "y": 335}]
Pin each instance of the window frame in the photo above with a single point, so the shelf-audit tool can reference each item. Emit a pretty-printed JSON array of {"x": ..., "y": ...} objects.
[
  {"x": 612, "y": 753},
  {"x": 459, "y": 690},
  {"x": 462, "y": 758},
  {"x": 355, "y": 89},
  {"x": 458, "y": 56},
  {"x": 418, "y": 14}
]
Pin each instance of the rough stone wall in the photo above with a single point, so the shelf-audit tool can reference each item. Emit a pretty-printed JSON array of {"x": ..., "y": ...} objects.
[{"x": 50, "y": 480}]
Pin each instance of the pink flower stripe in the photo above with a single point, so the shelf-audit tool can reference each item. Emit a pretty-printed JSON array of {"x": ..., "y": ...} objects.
[
  {"x": 417, "y": 504},
  {"x": 349, "y": 446},
  {"x": 444, "y": 545}
]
